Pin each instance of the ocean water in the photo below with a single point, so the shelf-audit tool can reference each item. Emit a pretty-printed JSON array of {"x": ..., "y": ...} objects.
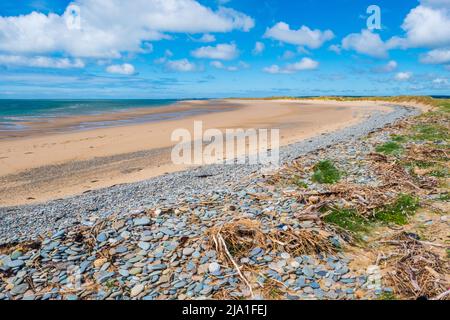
[{"x": 14, "y": 112}]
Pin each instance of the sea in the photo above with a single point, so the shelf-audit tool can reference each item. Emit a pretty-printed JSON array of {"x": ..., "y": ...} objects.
[{"x": 13, "y": 113}]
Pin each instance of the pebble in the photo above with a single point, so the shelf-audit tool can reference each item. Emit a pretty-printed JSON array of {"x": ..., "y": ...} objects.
[
  {"x": 188, "y": 251},
  {"x": 214, "y": 268},
  {"x": 141, "y": 221},
  {"x": 137, "y": 289}
]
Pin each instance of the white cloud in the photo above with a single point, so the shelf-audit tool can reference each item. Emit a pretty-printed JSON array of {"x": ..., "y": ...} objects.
[
  {"x": 303, "y": 64},
  {"x": 124, "y": 69},
  {"x": 428, "y": 25},
  {"x": 335, "y": 48},
  {"x": 440, "y": 81},
  {"x": 438, "y": 56},
  {"x": 259, "y": 48},
  {"x": 388, "y": 67},
  {"x": 367, "y": 43},
  {"x": 220, "y": 52},
  {"x": 110, "y": 27},
  {"x": 40, "y": 62},
  {"x": 302, "y": 37},
  {"x": 403, "y": 76},
  {"x": 207, "y": 38},
  {"x": 183, "y": 65},
  {"x": 221, "y": 66},
  {"x": 287, "y": 55}
]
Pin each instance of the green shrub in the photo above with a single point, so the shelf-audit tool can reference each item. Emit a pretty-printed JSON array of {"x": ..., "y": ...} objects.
[
  {"x": 326, "y": 172},
  {"x": 398, "y": 212}
]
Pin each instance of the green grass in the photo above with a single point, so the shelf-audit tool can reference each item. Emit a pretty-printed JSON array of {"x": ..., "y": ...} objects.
[
  {"x": 444, "y": 197},
  {"x": 398, "y": 212},
  {"x": 347, "y": 219},
  {"x": 439, "y": 172},
  {"x": 325, "y": 172},
  {"x": 431, "y": 132},
  {"x": 400, "y": 138},
  {"x": 387, "y": 296},
  {"x": 390, "y": 148},
  {"x": 444, "y": 107}
]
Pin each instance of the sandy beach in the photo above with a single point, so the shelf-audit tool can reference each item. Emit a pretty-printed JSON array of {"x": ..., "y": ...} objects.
[{"x": 55, "y": 159}]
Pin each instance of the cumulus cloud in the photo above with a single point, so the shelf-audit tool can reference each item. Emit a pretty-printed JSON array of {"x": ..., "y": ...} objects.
[
  {"x": 110, "y": 27},
  {"x": 440, "y": 81},
  {"x": 207, "y": 38},
  {"x": 259, "y": 48},
  {"x": 335, "y": 48},
  {"x": 41, "y": 62},
  {"x": 123, "y": 69},
  {"x": 403, "y": 76},
  {"x": 303, "y": 64},
  {"x": 302, "y": 37},
  {"x": 438, "y": 56},
  {"x": 367, "y": 43},
  {"x": 183, "y": 65},
  {"x": 388, "y": 67},
  {"x": 219, "y": 65},
  {"x": 428, "y": 25},
  {"x": 221, "y": 51}
]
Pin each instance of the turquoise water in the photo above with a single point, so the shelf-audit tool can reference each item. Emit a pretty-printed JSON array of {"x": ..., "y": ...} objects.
[{"x": 13, "y": 112}]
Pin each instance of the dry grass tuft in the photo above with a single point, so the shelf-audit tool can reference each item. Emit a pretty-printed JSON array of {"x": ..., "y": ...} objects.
[
  {"x": 415, "y": 271},
  {"x": 240, "y": 237},
  {"x": 303, "y": 241}
]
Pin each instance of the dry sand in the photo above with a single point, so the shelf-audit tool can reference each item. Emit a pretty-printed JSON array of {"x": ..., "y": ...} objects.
[{"x": 52, "y": 160}]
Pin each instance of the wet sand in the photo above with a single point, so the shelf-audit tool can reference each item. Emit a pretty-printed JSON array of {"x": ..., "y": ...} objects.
[{"x": 53, "y": 160}]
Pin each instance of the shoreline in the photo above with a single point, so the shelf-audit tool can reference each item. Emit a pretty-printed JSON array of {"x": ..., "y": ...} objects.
[
  {"x": 25, "y": 222},
  {"x": 53, "y": 166}
]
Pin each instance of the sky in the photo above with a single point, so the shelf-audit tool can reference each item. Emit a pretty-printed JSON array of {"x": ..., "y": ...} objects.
[{"x": 136, "y": 49}]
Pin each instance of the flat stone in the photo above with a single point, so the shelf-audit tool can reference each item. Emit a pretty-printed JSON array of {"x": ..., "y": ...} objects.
[
  {"x": 137, "y": 289},
  {"x": 19, "y": 289},
  {"x": 214, "y": 268},
  {"x": 144, "y": 221},
  {"x": 15, "y": 264},
  {"x": 124, "y": 273},
  {"x": 102, "y": 237},
  {"x": 188, "y": 251},
  {"x": 161, "y": 266},
  {"x": 100, "y": 262},
  {"x": 103, "y": 276},
  {"x": 308, "y": 271},
  {"x": 144, "y": 245},
  {"x": 285, "y": 256}
]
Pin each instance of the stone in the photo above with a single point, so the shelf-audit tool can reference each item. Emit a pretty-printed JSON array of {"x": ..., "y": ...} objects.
[
  {"x": 19, "y": 289},
  {"x": 99, "y": 262},
  {"x": 285, "y": 256},
  {"x": 124, "y": 273},
  {"x": 214, "y": 268},
  {"x": 102, "y": 237},
  {"x": 16, "y": 255},
  {"x": 158, "y": 267},
  {"x": 137, "y": 289},
  {"x": 15, "y": 264},
  {"x": 188, "y": 251},
  {"x": 144, "y": 245},
  {"x": 135, "y": 271},
  {"x": 144, "y": 221},
  {"x": 308, "y": 271},
  {"x": 103, "y": 276}
]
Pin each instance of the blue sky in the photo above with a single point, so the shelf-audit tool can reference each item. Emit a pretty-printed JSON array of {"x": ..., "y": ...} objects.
[{"x": 222, "y": 48}]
